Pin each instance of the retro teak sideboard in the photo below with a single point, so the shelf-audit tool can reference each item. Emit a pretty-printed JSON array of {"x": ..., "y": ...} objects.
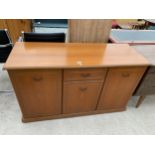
[{"x": 54, "y": 80}]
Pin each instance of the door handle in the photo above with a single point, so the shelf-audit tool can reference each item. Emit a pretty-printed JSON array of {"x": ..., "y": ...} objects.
[
  {"x": 83, "y": 89},
  {"x": 37, "y": 78},
  {"x": 125, "y": 74},
  {"x": 85, "y": 75}
]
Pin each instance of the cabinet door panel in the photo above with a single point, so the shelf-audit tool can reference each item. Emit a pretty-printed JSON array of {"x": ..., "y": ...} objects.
[
  {"x": 119, "y": 86},
  {"x": 81, "y": 96},
  {"x": 38, "y": 91}
]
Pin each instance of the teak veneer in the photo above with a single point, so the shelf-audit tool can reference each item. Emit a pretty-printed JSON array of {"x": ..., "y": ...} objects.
[{"x": 54, "y": 80}]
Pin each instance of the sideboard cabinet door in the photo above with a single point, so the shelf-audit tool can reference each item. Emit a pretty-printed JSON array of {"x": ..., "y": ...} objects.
[
  {"x": 119, "y": 86},
  {"x": 81, "y": 96},
  {"x": 38, "y": 91}
]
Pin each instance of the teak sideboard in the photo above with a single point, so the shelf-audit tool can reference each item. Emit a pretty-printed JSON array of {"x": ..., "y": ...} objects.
[{"x": 54, "y": 80}]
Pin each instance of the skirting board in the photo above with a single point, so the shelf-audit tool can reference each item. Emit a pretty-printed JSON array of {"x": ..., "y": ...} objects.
[{"x": 40, "y": 118}]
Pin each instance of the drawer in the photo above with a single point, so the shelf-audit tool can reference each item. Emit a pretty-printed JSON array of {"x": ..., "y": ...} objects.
[{"x": 84, "y": 74}]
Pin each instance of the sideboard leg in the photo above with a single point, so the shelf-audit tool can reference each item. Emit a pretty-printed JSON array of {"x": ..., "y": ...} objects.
[{"x": 140, "y": 100}]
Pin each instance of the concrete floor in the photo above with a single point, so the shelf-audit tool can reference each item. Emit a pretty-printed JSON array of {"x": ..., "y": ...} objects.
[{"x": 132, "y": 121}]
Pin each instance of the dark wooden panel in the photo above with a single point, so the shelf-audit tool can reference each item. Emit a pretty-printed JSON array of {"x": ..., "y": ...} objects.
[
  {"x": 143, "y": 90},
  {"x": 149, "y": 80},
  {"x": 38, "y": 91},
  {"x": 151, "y": 70},
  {"x": 147, "y": 85}
]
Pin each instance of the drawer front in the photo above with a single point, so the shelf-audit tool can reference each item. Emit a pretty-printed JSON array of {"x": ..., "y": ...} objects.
[
  {"x": 81, "y": 96},
  {"x": 38, "y": 91},
  {"x": 119, "y": 86},
  {"x": 84, "y": 74}
]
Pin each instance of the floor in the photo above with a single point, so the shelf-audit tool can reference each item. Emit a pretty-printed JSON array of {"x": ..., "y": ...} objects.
[{"x": 132, "y": 121}]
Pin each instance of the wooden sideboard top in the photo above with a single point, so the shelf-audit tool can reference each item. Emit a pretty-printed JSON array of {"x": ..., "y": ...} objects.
[{"x": 33, "y": 55}]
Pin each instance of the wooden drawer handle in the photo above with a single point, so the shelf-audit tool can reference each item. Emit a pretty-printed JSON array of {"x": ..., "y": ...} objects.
[
  {"x": 125, "y": 74},
  {"x": 85, "y": 75},
  {"x": 83, "y": 89},
  {"x": 37, "y": 78}
]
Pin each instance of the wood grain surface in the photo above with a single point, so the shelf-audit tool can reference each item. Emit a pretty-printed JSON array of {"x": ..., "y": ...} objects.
[
  {"x": 72, "y": 55},
  {"x": 89, "y": 30},
  {"x": 15, "y": 27},
  {"x": 3, "y": 24},
  {"x": 38, "y": 91},
  {"x": 119, "y": 85},
  {"x": 81, "y": 96},
  {"x": 84, "y": 74}
]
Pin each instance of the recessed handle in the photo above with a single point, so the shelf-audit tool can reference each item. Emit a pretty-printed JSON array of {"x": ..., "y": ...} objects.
[
  {"x": 85, "y": 75},
  {"x": 125, "y": 74},
  {"x": 37, "y": 78},
  {"x": 83, "y": 88}
]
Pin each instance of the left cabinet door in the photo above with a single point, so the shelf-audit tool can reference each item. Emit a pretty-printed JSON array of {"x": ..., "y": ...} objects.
[{"x": 38, "y": 91}]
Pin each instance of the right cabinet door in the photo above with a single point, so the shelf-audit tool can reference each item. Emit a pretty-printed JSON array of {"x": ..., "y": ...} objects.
[{"x": 119, "y": 86}]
